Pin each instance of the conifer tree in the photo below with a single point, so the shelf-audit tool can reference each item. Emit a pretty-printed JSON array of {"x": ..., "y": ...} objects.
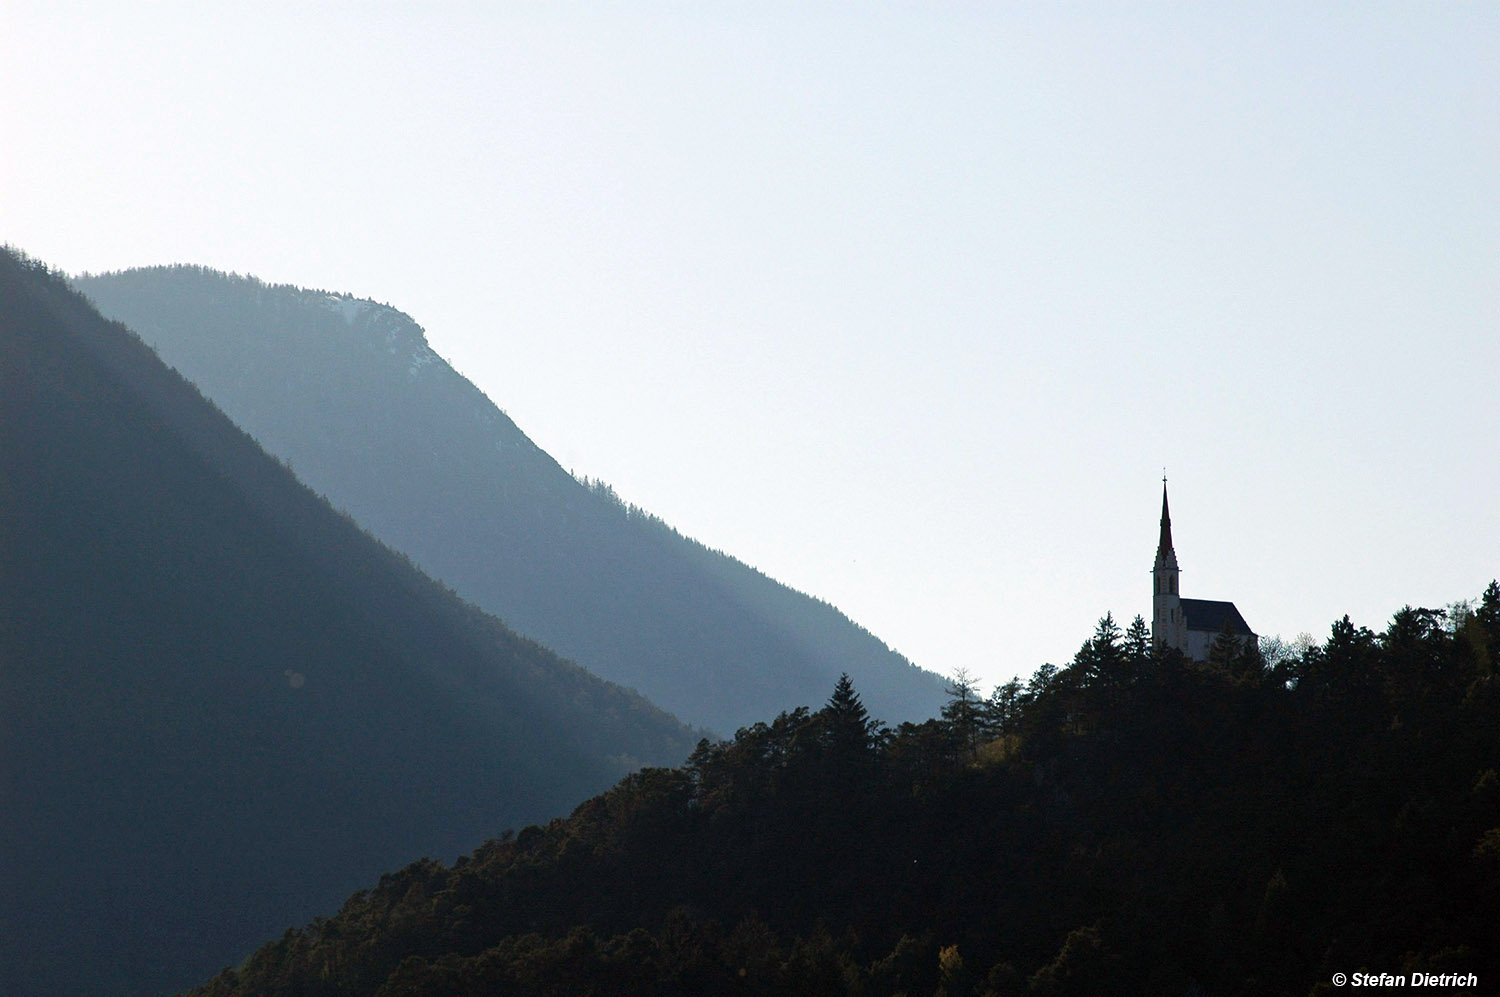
[
  {"x": 962, "y": 711},
  {"x": 1137, "y": 646},
  {"x": 1002, "y": 711},
  {"x": 1103, "y": 654},
  {"x": 847, "y": 722},
  {"x": 1488, "y": 615},
  {"x": 1224, "y": 650}
]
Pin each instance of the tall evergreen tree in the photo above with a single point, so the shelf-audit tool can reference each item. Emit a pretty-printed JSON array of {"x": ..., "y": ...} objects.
[
  {"x": 849, "y": 727},
  {"x": 963, "y": 710},
  {"x": 1102, "y": 657},
  {"x": 1343, "y": 670},
  {"x": 1137, "y": 646},
  {"x": 1488, "y": 615}
]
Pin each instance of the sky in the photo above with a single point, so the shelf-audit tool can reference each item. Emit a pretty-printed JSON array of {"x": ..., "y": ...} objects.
[{"x": 910, "y": 306}]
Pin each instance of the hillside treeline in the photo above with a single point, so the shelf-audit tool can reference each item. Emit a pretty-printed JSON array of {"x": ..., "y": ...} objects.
[{"x": 1130, "y": 823}]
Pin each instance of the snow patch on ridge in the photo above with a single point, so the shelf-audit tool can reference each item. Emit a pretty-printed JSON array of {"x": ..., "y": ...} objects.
[
  {"x": 422, "y": 357},
  {"x": 403, "y": 337},
  {"x": 347, "y": 308}
]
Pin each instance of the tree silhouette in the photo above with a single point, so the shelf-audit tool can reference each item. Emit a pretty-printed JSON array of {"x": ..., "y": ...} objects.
[
  {"x": 963, "y": 711},
  {"x": 847, "y": 723}
]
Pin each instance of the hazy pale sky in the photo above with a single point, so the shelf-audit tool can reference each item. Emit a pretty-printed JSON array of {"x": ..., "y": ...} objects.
[{"x": 907, "y": 305}]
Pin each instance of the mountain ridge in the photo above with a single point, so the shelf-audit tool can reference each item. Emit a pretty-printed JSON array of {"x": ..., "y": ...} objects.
[
  {"x": 226, "y": 704},
  {"x": 350, "y": 394}
]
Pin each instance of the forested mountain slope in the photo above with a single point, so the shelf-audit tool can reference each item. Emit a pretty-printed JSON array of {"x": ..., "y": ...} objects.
[
  {"x": 222, "y": 705},
  {"x": 349, "y": 393},
  {"x": 1131, "y": 824}
]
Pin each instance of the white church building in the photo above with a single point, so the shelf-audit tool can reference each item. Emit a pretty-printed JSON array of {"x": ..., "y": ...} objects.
[{"x": 1189, "y": 625}]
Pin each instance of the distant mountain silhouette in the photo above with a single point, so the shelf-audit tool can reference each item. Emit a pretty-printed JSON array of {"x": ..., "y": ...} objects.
[
  {"x": 351, "y": 396},
  {"x": 222, "y": 705}
]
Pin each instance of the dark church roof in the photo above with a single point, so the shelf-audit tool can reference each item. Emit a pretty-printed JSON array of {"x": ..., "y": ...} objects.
[
  {"x": 1209, "y": 614},
  {"x": 1164, "y": 544}
]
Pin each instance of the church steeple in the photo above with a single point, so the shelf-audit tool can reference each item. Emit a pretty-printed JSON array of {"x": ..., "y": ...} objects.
[
  {"x": 1168, "y": 625},
  {"x": 1165, "y": 555}
]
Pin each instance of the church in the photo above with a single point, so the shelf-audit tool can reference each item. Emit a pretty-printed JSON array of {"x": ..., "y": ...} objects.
[{"x": 1189, "y": 625}]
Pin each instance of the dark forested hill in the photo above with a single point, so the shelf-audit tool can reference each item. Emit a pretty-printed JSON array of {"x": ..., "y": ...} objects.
[
  {"x": 223, "y": 705},
  {"x": 1131, "y": 824},
  {"x": 349, "y": 393}
]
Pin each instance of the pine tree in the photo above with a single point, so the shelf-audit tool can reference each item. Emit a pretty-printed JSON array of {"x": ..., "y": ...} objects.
[
  {"x": 846, "y": 721},
  {"x": 1488, "y": 615},
  {"x": 1105, "y": 656},
  {"x": 1137, "y": 647},
  {"x": 1002, "y": 711},
  {"x": 1225, "y": 649},
  {"x": 963, "y": 711}
]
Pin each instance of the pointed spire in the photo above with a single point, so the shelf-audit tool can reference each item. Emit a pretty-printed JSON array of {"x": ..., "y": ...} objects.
[
  {"x": 1166, "y": 557},
  {"x": 1164, "y": 545}
]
